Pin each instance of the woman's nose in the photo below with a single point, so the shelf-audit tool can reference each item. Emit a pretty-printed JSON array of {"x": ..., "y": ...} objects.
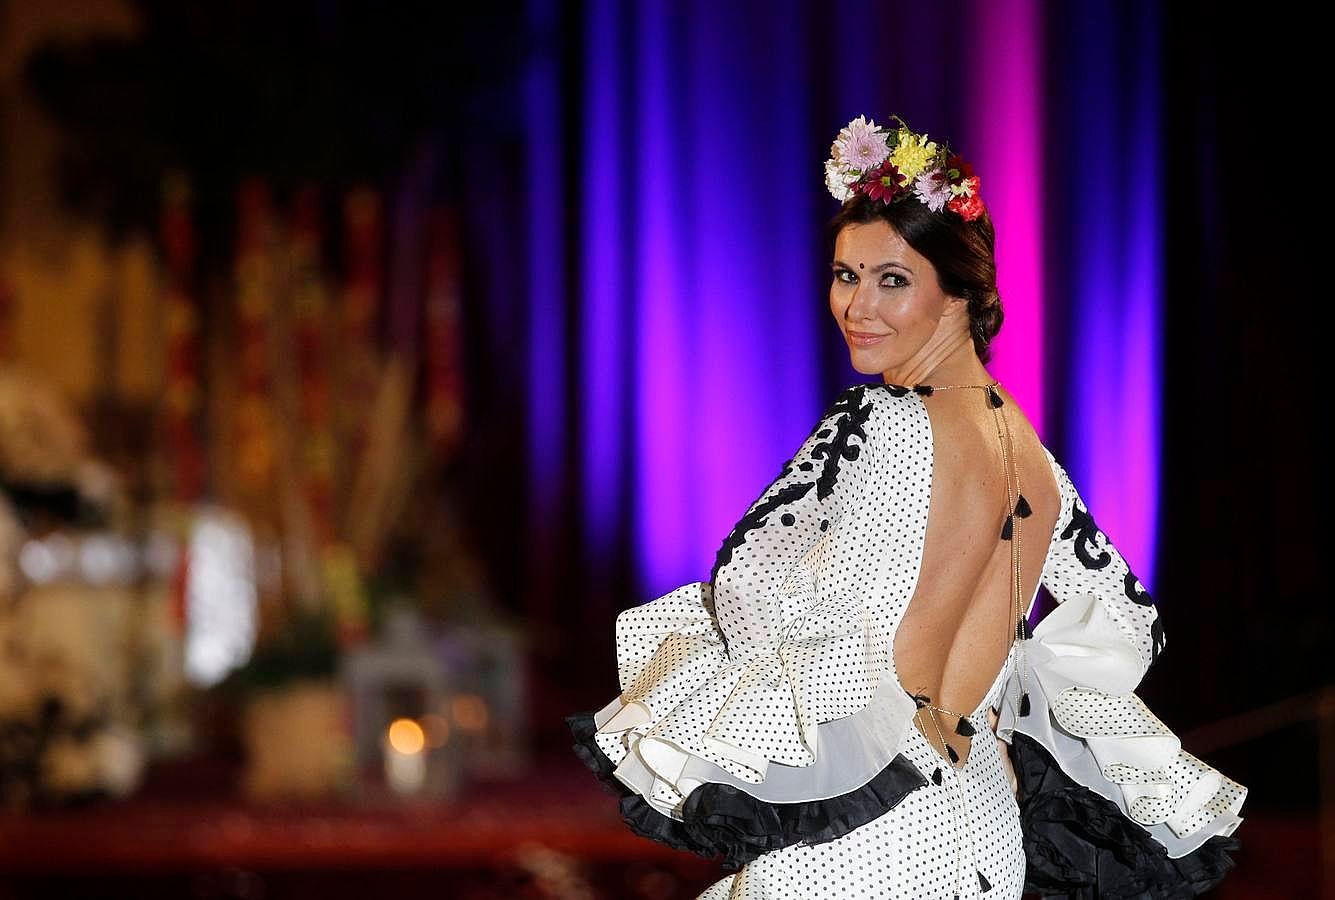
[{"x": 863, "y": 304}]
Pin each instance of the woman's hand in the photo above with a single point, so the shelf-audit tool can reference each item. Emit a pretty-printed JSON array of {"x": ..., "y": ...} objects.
[{"x": 992, "y": 720}]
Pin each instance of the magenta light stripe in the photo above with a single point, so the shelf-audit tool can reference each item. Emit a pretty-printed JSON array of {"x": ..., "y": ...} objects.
[
  {"x": 660, "y": 360},
  {"x": 1006, "y": 130},
  {"x": 759, "y": 314}
]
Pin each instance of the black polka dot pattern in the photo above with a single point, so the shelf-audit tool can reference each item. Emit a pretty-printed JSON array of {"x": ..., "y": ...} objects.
[
  {"x": 805, "y": 591},
  {"x": 794, "y": 629},
  {"x": 922, "y": 847}
]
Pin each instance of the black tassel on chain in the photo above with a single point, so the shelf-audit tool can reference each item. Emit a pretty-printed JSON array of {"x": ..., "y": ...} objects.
[
  {"x": 1008, "y": 529},
  {"x": 983, "y": 884},
  {"x": 924, "y": 389},
  {"x": 1022, "y": 508},
  {"x": 1022, "y": 631},
  {"x": 1024, "y": 704},
  {"x": 993, "y": 397},
  {"x": 964, "y": 727},
  {"x": 936, "y": 775},
  {"x": 951, "y": 752}
]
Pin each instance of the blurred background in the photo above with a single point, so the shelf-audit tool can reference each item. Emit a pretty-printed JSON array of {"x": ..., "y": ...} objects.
[{"x": 359, "y": 362}]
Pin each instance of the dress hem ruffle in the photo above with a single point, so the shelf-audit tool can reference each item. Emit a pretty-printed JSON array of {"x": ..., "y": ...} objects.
[
  {"x": 720, "y": 819},
  {"x": 1080, "y": 845}
]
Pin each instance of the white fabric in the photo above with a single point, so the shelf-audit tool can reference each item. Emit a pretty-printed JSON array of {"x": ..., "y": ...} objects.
[
  {"x": 1084, "y": 711},
  {"x": 801, "y": 702}
]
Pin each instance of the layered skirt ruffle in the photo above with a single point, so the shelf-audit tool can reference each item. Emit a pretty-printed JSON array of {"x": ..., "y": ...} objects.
[
  {"x": 1111, "y": 805},
  {"x": 737, "y": 758}
]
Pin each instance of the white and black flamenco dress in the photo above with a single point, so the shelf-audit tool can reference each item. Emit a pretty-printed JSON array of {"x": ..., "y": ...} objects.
[{"x": 761, "y": 722}]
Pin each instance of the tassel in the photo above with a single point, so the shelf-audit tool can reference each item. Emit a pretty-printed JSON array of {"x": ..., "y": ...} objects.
[
  {"x": 1022, "y": 631},
  {"x": 964, "y": 727},
  {"x": 982, "y": 882},
  {"x": 1008, "y": 529},
  {"x": 993, "y": 397},
  {"x": 924, "y": 389},
  {"x": 1022, "y": 508},
  {"x": 950, "y": 751},
  {"x": 936, "y": 775},
  {"x": 1024, "y": 704},
  {"x": 921, "y": 700}
]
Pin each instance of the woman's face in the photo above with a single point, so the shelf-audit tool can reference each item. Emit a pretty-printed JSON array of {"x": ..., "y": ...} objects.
[{"x": 885, "y": 291}]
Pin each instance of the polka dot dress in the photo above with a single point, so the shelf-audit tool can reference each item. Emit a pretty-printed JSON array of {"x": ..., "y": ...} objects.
[
  {"x": 726, "y": 681},
  {"x": 922, "y": 848}
]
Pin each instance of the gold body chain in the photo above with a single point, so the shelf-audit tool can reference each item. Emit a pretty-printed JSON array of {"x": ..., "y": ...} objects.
[{"x": 1017, "y": 508}]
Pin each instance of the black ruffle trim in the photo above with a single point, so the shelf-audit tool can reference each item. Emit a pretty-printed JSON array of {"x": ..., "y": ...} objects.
[
  {"x": 1080, "y": 845},
  {"x": 720, "y": 819}
]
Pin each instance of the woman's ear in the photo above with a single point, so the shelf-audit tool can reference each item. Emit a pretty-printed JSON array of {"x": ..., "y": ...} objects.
[{"x": 956, "y": 306}]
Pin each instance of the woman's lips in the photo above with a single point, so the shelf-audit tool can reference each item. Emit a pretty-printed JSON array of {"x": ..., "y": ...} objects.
[{"x": 862, "y": 339}]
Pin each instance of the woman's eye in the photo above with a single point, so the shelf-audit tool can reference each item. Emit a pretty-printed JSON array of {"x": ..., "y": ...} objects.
[
  {"x": 893, "y": 280},
  {"x": 845, "y": 276}
]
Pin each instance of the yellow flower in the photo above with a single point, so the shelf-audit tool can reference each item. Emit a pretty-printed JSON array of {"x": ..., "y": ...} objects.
[{"x": 912, "y": 153}]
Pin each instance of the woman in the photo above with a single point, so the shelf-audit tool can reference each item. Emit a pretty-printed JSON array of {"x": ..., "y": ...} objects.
[{"x": 854, "y": 705}]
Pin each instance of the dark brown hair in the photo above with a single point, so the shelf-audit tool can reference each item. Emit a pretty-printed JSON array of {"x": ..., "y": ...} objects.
[{"x": 961, "y": 251}]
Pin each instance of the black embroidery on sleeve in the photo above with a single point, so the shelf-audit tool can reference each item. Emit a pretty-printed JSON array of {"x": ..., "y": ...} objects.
[
  {"x": 1135, "y": 591},
  {"x": 1084, "y": 530},
  {"x": 1156, "y": 638},
  {"x": 757, "y": 518},
  {"x": 855, "y": 415},
  {"x": 843, "y": 420}
]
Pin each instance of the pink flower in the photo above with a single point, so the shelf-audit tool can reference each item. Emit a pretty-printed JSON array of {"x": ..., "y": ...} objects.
[
  {"x": 933, "y": 189},
  {"x": 860, "y": 146}
]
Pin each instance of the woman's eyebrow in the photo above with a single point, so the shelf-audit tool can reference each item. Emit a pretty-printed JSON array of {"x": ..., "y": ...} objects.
[{"x": 879, "y": 267}]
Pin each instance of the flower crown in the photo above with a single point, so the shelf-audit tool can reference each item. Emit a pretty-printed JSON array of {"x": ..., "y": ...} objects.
[{"x": 890, "y": 164}]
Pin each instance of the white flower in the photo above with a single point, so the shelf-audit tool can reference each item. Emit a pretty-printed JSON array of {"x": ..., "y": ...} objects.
[
  {"x": 860, "y": 146},
  {"x": 838, "y": 179}
]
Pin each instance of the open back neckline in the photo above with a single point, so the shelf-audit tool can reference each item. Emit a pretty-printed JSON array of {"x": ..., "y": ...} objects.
[{"x": 922, "y": 553}]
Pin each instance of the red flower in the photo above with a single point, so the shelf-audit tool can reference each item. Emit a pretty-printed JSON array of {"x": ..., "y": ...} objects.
[
  {"x": 967, "y": 208},
  {"x": 882, "y": 183},
  {"x": 955, "y": 161}
]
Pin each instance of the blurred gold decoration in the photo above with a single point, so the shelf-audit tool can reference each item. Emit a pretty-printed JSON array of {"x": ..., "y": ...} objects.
[
  {"x": 387, "y": 466},
  {"x": 180, "y": 410},
  {"x": 296, "y": 742},
  {"x": 255, "y": 287},
  {"x": 443, "y": 354}
]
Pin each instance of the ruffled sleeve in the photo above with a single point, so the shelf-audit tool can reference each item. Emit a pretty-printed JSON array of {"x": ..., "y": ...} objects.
[
  {"x": 725, "y": 681},
  {"x": 1109, "y": 799}
]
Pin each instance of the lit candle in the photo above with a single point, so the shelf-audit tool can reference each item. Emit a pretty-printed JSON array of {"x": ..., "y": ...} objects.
[{"x": 405, "y": 761}]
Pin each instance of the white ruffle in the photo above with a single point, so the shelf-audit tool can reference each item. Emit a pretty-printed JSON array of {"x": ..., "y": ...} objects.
[
  {"x": 687, "y": 713},
  {"x": 1081, "y": 675}
]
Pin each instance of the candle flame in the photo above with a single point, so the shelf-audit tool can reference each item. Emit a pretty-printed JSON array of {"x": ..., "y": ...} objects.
[{"x": 406, "y": 736}]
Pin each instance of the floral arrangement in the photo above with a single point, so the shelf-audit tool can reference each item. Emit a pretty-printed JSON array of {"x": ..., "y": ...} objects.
[{"x": 890, "y": 164}]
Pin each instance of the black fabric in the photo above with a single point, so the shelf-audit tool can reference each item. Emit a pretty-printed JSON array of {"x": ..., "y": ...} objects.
[
  {"x": 719, "y": 819},
  {"x": 1078, "y": 844}
]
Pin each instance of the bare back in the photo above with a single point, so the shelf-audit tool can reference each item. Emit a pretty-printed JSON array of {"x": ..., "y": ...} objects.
[{"x": 957, "y": 630}]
